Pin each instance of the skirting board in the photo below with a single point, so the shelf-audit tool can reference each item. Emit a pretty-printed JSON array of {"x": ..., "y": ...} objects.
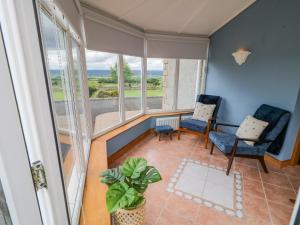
[
  {"x": 276, "y": 163},
  {"x": 296, "y": 153}
]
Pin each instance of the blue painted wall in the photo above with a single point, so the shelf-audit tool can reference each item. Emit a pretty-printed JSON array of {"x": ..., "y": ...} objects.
[
  {"x": 271, "y": 30},
  {"x": 116, "y": 143}
]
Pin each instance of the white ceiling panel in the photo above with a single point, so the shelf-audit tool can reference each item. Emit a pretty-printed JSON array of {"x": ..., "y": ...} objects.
[{"x": 200, "y": 17}]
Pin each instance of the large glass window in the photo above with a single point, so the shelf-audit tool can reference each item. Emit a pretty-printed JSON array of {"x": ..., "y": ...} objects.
[
  {"x": 132, "y": 73},
  {"x": 61, "y": 90},
  {"x": 103, "y": 87},
  {"x": 160, "y": 84},
  {"x": 171, "y": 84},
  {"x": 187, "y": 83}
]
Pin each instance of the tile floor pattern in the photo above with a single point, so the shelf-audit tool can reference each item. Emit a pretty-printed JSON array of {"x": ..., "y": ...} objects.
[
  {"x": 206, "y": 184},
  {"x": 266, "y": 196}
]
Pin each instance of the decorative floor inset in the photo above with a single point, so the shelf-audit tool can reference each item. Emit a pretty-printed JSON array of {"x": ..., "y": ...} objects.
[{"x": 207, "y": 184}]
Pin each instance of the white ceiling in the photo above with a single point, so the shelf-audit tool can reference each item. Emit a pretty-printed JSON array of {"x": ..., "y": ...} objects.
[{"x": 199, "y": 17}]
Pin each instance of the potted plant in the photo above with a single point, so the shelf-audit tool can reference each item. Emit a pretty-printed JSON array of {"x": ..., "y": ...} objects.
[{"x": 126, "y": 187}]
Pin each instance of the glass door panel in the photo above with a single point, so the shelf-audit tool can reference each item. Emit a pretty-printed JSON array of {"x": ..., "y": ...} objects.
[{"x": 62, "y": 96}]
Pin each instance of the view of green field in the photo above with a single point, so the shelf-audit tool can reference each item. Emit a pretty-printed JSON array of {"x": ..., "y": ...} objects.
[{"x": 105, "y": 87}]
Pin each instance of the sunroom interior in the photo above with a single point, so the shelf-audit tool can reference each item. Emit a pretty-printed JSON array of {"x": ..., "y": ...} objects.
[{"x": 125, "y": 80}]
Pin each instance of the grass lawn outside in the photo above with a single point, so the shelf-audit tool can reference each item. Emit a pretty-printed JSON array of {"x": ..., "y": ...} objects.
[
  {"x": 137, "y": 93},
  {"x": 59, "y": 95}
]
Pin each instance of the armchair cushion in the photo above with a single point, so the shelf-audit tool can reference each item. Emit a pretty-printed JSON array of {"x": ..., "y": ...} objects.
[
  {"x": 210, "y": 100},
  {"x": 225, "y": 142},
  {"x": 203, "y": 112},
  {"x": 251, "y": 128},
  {"x": 195, "y": 125}
]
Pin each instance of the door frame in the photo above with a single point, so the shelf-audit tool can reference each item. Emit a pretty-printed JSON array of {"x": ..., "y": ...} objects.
[
  {"x": 15, "y": 171},
  {"x": 22, "y": 41}
]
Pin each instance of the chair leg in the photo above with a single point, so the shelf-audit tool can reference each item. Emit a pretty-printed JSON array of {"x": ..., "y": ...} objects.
[
  {"x": 159, "y": 136},
  {"x": 171, "y": 136},
  {"x": 212, "y": 148},
  {"x": 263, "y": 164},
  {"x": 206, "y": 140},
  {"x": 178, "y": 135},
  {"x": 229, "y": 164}
]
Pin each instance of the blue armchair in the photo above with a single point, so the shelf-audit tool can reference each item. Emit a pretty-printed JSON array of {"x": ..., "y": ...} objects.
[
  {"x": 271, "y": 139},
  {"x": 198, "y": 126}
]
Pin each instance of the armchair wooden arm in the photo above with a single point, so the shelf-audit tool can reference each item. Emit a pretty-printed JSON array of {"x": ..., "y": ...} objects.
[
  {"x": 226, "y": 125},
  {"x": 253, "y": 140},
  {"x": 184, "y": 113}
]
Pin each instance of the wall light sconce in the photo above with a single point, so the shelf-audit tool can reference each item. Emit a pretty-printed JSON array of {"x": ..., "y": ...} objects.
[{"x": 240, "y": 56}]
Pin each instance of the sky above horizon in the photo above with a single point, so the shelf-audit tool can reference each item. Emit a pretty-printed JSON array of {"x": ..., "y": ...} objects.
[{"x": 103, "y": 61}]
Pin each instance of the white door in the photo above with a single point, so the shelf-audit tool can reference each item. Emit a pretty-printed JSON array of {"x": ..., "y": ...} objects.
[
  {"x": 18, "y": 200},
  {"x": 50, "y": 101}
]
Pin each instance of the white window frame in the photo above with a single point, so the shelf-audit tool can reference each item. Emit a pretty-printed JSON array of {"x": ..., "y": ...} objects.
[
  {"x": 27, "y": 69},
  {"x": 81, "y": 154},
  {"x": 15, "y": 170},
  {"x": 26, "y": 64},
  {"x": 200, "y": 82},
  {"x": 199, "y": 89},
  {"x": 121, "y": 83},
  {"x": 142, "y": 91}
]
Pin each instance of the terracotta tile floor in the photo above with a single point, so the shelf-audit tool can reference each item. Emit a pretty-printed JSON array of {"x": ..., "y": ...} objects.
[{"x": 266, "y": 196}]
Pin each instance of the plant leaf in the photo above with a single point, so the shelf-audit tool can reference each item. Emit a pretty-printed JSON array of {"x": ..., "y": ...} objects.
[
  {"x": 120, "y": 195},
  {"x": 136, "y": 203},
  {"x": 139, "y": 186},
  {"x": 148, "y": 176},
  {"x": 133, "y": 167},
  {"x": 112, "y": 176}
]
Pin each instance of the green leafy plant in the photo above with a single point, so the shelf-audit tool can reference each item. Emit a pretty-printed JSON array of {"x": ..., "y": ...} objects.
[
  {"x": 127, "y": 183},
  {"x": 92, "y": 89}
]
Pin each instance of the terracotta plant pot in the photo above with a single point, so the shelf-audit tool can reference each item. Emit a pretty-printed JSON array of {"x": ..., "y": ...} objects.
[{"x": 130, "y": 217}]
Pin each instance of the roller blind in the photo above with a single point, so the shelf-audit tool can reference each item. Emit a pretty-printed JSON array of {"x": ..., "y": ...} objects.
[
  {"x": 185, "y": 48},
  {"x": 100, "y": 37},
  {"x": 70, "y": 10}
]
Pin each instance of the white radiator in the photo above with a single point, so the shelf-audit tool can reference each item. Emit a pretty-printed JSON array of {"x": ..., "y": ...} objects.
[{"x": 171, "y": 121}]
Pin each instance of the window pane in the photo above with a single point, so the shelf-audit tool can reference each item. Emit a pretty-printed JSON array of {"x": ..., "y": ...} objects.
[
  {"x": 4, "y": 213},
  {"x": 132, "y": 85},
  {"x": 63, "y": 107},
  {"x": 187, "y": 83},
  {"x": 79, "y": 92},
  {"x": 160, "y": 84},
  {"x": 103, "y": 89}
]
